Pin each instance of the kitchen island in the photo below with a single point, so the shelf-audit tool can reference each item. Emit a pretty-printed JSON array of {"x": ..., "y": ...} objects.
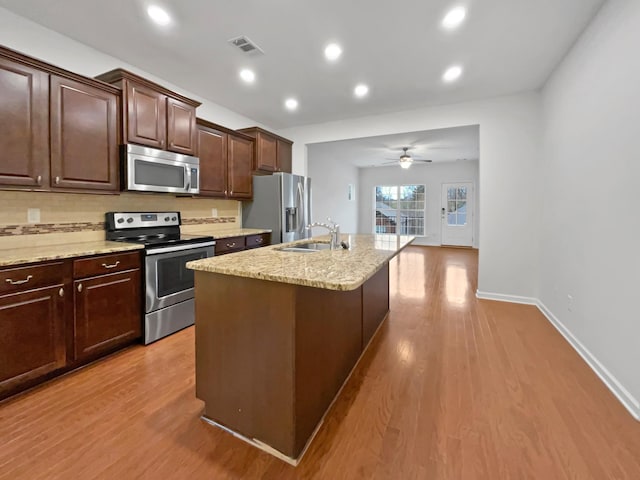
[{"x": 279, "y": 332}]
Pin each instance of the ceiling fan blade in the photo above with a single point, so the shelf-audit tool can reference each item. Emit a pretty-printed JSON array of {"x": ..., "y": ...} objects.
[{"x": 422, "y": 160}]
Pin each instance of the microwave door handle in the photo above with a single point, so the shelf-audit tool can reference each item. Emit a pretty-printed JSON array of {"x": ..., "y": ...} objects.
[{"x": 187, "y": 172}]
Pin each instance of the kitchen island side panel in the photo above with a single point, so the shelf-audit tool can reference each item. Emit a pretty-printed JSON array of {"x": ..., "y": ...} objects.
[
  {"x": 244, "y": 356},
  {"x": 328, "y": 342},
  {"x": 375, "y": 303}
]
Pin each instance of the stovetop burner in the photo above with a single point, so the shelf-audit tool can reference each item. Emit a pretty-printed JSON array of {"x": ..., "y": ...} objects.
[{"x": 151, "y": 229}]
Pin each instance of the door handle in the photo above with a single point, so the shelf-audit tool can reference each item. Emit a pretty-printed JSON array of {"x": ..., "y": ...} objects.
[{"x": 443, "y": 212}]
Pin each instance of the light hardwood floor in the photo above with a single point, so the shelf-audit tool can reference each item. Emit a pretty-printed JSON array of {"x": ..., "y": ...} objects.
[{"x": 451, "y": 388}]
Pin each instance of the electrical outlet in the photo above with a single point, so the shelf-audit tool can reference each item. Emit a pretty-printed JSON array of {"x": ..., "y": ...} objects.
[
  {"x": 33, "y": 215},
  {"x": 569, "y": 303},
  {"x": 214, "y": 212}
]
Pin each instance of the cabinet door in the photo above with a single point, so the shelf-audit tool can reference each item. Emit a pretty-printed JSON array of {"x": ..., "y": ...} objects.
[
  {"x": 181, "y": 127},
  {"x": 146, "y": 116},
  {"x": 24, "y": 125},
  {"x": 240, "y": 161},
  {"x": 212, "y": 151},
  {"x": 284, "y": 156},
  {"x": 32, "y": 341},
  {"x": 108, "y": 312},
  {"x": 84, "y": 144},
  {"x": 266, "y": 153}
]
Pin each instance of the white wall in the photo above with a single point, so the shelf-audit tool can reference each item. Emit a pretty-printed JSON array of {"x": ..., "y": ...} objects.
[
  {"x": 432, "y": 176},
  {"x": 509, "y": 172},
  {"x": 37, "y": 41},
  {"x": 330, "y": 180},
  {"x": 590, "y": 225}
]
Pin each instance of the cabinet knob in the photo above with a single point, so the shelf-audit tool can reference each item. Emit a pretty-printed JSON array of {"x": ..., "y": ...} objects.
[
  {"x": 79, "y": 287},
  {"x": 61, "y": 292},
  {"x": 39, "y": 179},
  {"x": 57, "y": 180}
]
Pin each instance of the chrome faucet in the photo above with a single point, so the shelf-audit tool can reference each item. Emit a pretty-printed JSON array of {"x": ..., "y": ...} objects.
[{"x": 334, "y": 231}]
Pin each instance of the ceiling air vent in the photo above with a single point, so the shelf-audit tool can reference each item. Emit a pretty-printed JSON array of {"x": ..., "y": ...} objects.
[{"x": 246, "y": 45}]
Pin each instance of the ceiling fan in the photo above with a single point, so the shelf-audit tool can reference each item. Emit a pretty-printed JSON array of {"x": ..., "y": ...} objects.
[{"x": 407, "y": 160}]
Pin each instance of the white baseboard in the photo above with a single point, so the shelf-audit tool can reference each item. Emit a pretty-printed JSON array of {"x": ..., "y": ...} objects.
[
  {"x": 500, "y": 297},
  {"x": 622, "y": 394},
  {"x": 612, "y": 383}
]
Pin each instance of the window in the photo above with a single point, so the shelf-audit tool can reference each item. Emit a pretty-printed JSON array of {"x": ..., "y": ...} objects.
[
  {"x": 399, "y": 209},
  {"x": 456, "y": 206}
]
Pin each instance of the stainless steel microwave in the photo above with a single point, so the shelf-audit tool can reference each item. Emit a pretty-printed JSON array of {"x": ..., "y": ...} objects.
[{"x": 152, "y": 170}]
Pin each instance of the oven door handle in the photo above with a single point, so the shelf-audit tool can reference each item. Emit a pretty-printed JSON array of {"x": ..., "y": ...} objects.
[{"x": 179, "y": 248}]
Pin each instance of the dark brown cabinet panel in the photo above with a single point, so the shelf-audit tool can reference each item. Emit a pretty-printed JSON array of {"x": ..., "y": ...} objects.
[
  {"x": 107, "y": 312},
  {"x": 84, "y": 136},
  {"x": 259, "y": 240},
  {"x": 266, "y": 153},
  {"x": 153, "y": 115},
  {"x": 32, "y": 336},
  {"x": 229, "y": 245},
  {"x": 272, "y": 152},
  {"x": 181, "y": 127},
  {"x": 24, "y": 129},
  {"x": 284, "y": 152},
  {"x": 212, "y": 151},
  {"x": 146, "y": 116},
  {"x": 240, "y": 159}
]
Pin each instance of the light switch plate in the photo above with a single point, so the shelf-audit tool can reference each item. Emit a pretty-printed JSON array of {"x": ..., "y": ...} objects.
[
  {"x": 214, "y": 212},
  {"x": 33, "y": 215}
]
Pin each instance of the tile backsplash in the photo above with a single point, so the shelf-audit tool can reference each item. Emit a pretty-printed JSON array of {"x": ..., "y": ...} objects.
[{"x": 79, "y": 217}]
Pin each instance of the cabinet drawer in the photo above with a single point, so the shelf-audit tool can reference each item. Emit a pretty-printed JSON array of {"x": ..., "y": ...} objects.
[
  {"x": 89, "y": 267},
  {"x": 259, "y": 240},
  {"x": 228, "y": 245},
  {"x": 33, "y": 276}
]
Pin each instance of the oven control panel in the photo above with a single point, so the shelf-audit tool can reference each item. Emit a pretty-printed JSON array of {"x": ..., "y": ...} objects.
[{"x": 121, "y": 220}]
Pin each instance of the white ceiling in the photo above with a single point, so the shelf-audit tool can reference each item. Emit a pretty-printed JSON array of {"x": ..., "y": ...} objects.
[
  {"x": 441, "y": 145},
  {"x": 398, "y": 48}
]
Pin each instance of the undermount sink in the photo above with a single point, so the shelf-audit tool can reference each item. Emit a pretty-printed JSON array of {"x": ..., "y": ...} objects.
[{"x": 306, "y": 247}]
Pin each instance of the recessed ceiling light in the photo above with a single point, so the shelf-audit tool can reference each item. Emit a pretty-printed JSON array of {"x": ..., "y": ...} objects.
[
  {"x": 452, "y": 74},
  {"x": 332, "y": 51},
  {"x": 291, "y": 104},
  {"x": 361, "y": 90},
  {"x": 247, "y": 75},
  {"x": 159, "y": 15},
  {"x": 454, "y": 18}
]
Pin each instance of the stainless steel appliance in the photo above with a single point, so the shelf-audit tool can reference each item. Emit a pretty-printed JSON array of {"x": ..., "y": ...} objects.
[
  {"x": 281, "y": 202},
  {"x": 151, "y": 170},
  {"x": 168, "y": 284}
]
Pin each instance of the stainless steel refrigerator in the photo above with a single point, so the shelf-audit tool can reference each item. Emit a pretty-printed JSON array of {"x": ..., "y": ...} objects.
[{"x": 281, "y": 202}]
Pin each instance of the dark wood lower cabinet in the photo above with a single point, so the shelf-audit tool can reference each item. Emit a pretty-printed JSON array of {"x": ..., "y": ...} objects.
[
  {"x": 51, "y": 323},
  {"x": 32, "y": 336},
  {"x": 107, "y": 312}
]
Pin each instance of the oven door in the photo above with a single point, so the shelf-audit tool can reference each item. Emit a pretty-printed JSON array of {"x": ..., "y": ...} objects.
[{"x": 168, "y": 280}]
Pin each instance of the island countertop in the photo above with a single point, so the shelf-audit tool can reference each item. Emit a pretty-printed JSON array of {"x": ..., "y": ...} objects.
[{"x": 329, "y": 269}]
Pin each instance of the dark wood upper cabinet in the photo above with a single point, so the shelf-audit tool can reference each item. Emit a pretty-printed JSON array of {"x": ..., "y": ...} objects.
[
  {"x": 212, "y": 151},
  {"x": 145, "y": 116},
  {"x": 24, "y": 129},
  {"x": 181, "y": 127},
  {"x": 240, "y": 160},
  {"x": 84, "y": 136},
  {"x": 58, "y": 129},
  {"x": 153, "y": 115},
  {"x": 226, "y": 161},
  {"x": 272, "y": 152}
]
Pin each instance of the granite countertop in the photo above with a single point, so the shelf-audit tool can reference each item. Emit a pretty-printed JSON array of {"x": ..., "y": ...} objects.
[
  {"x": 330, "y": 269},
  {"x": 16, "y": 256}
]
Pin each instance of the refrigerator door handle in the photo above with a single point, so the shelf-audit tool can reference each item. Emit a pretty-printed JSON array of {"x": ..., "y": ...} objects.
[{"x": 301, "y": 225}]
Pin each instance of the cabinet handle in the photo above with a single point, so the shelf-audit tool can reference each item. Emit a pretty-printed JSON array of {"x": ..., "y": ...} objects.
[
  {"x": 57, "y": 180},
  {"x": 80, "y": 287},
  {"x": 39, "y": 179},
  {"x": 259, "y": 240},
  {"x": 19, "y": 282},
  {"x": 61, "y": 292},
  {"x": 231, "y": 245},
  {"x": 113, "y": 265}
]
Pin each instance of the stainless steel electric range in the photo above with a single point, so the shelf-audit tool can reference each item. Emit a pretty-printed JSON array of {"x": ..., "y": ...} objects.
[{"x": 169, "y": 293}]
